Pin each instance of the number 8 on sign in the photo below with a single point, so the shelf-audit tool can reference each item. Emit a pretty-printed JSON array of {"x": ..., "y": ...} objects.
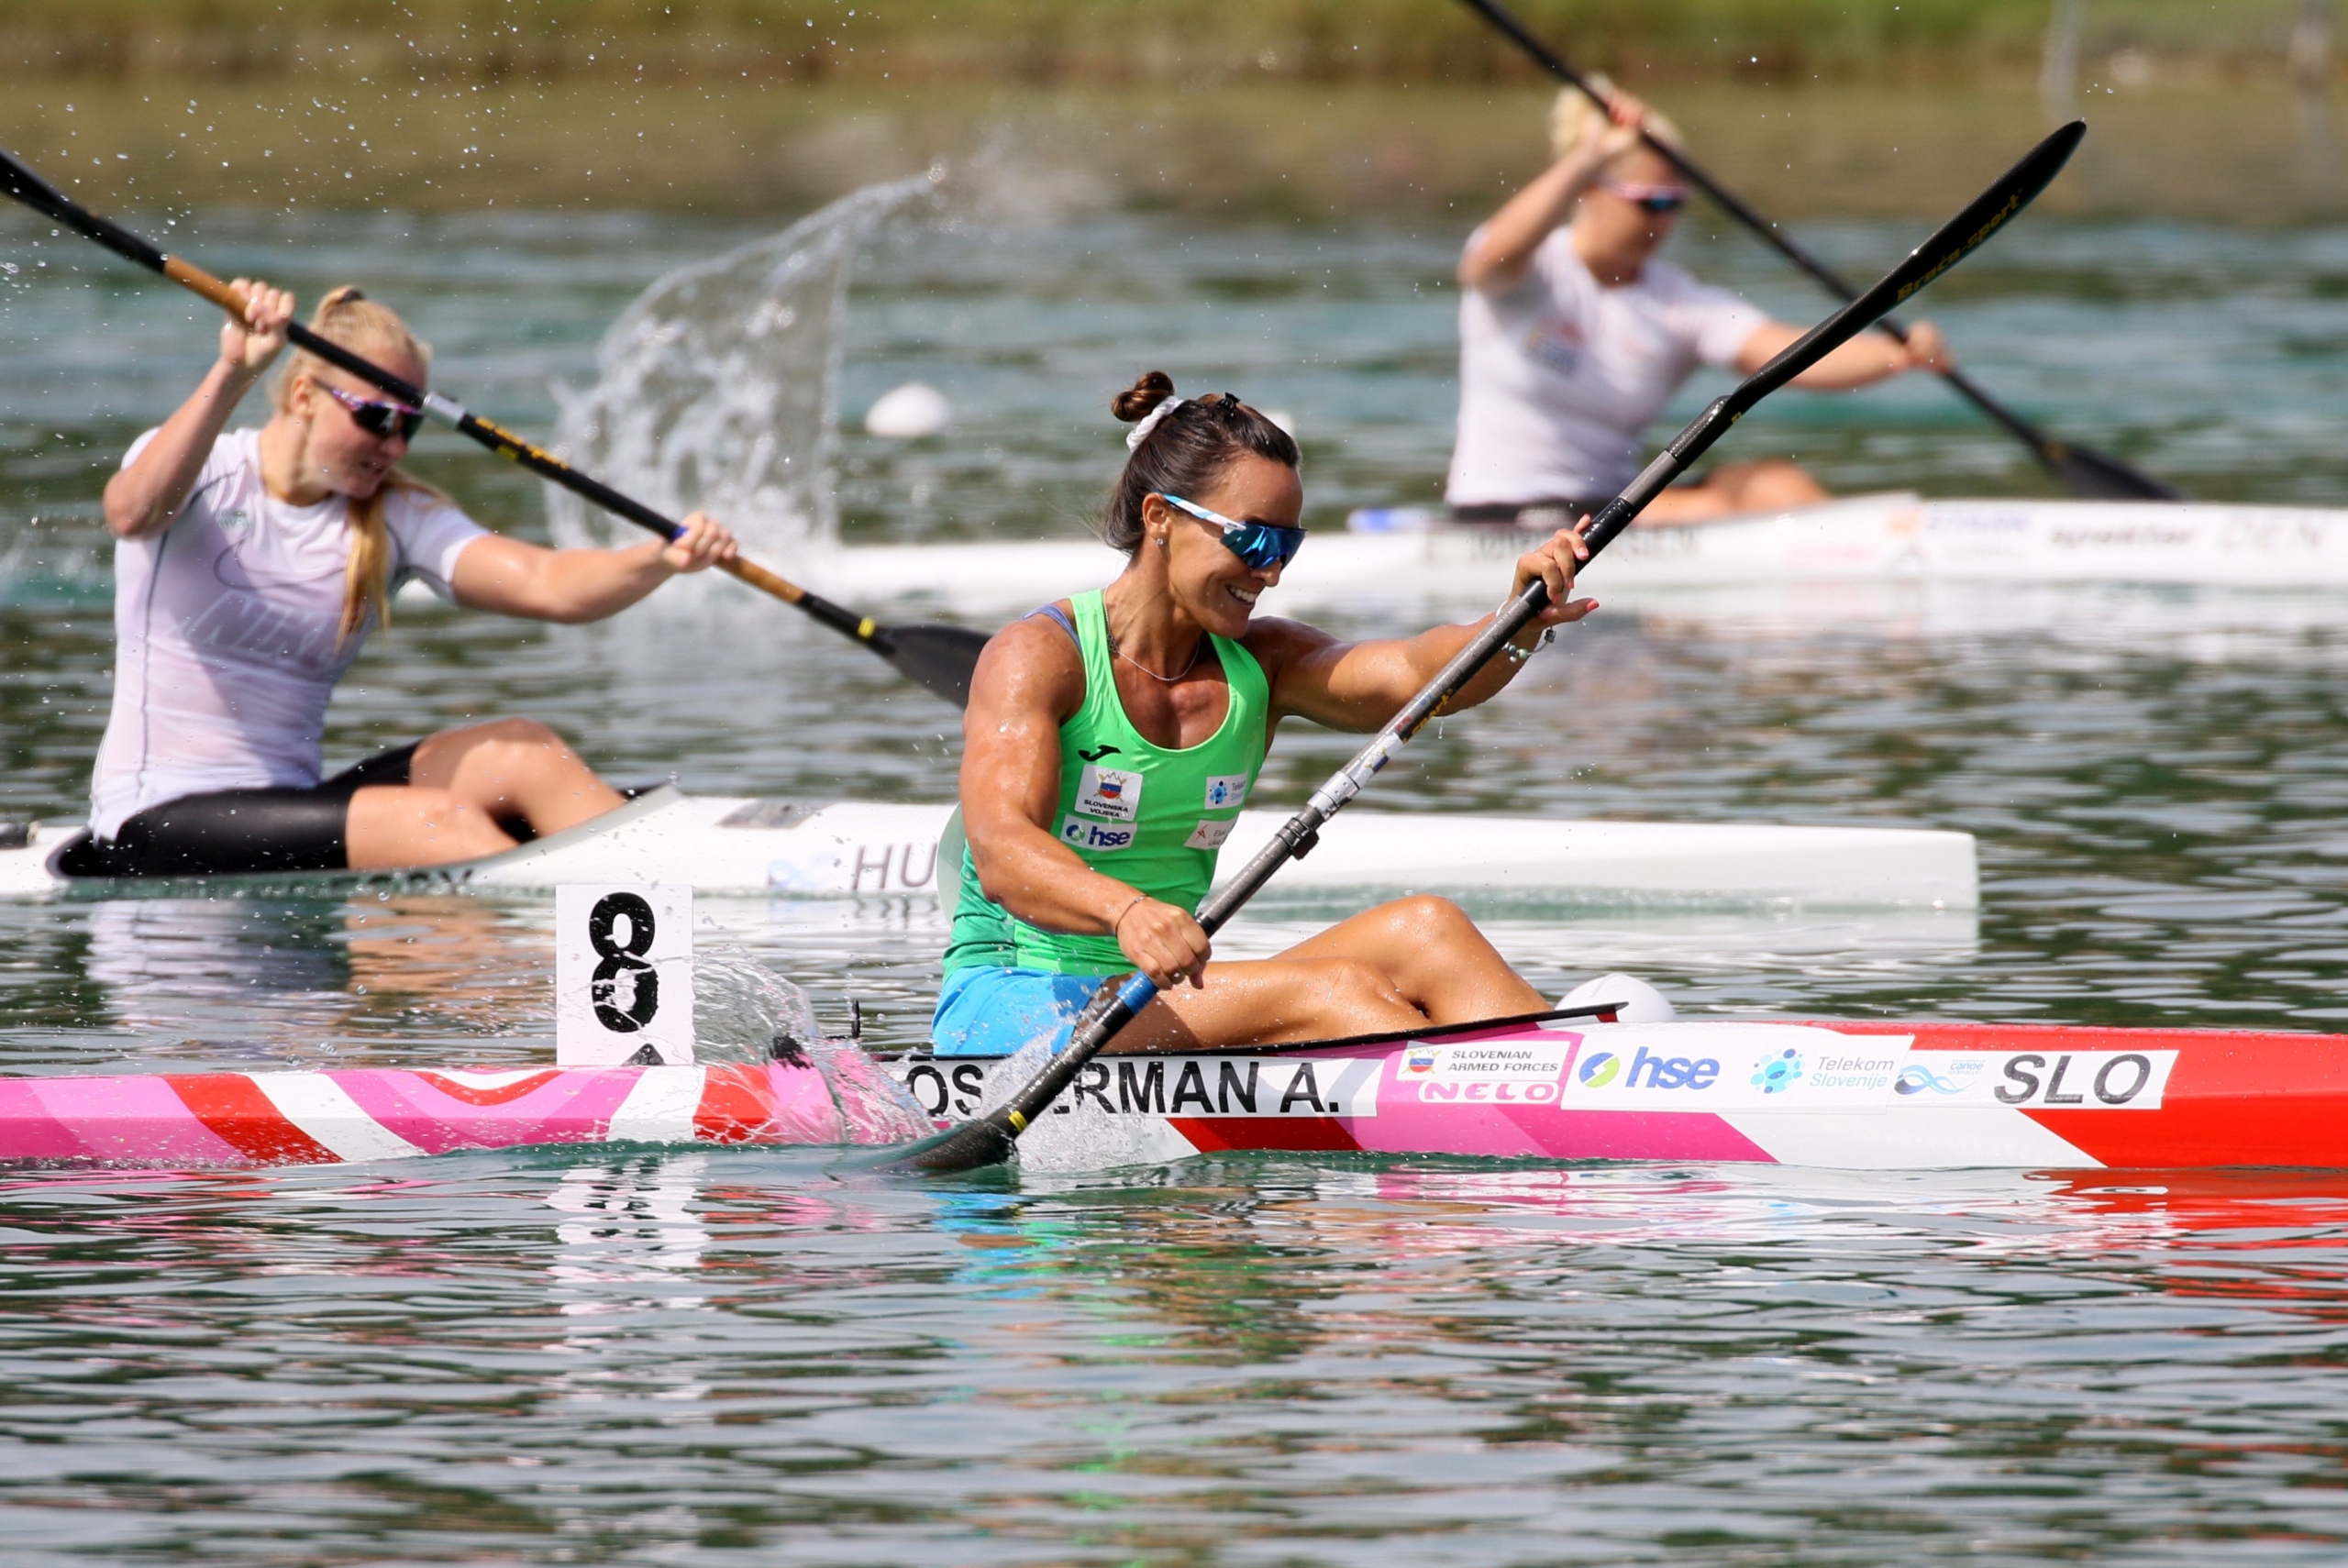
[
  {"x": 623, "y": 989},
  {"x": 623, "y": 972}
]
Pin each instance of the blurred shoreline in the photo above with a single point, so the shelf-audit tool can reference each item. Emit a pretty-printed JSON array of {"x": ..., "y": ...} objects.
[
  {"x": 1201, "y": 43},
  {"x": 1270, "y": 151}
]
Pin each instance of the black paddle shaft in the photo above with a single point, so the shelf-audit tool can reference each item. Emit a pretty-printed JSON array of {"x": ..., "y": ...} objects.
[
  {"x": 940, "y": 658},
  {"x": 989, "y": 1139},
  {"x": 2088, "y": 473}
]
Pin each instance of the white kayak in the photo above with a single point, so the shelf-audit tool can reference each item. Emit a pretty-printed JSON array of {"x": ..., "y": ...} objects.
[
  {"x": 726, "y": 844},
  {"x": 1411, "y": 556}
]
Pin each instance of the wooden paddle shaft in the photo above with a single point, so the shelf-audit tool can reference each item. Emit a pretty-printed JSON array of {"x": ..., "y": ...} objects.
[{"x": 528, "y": 454}]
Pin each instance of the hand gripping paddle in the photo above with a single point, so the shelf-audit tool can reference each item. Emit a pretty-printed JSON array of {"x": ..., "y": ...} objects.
[
  {"x": 940, "y": 658},
  {"x": 989, "y": 1139}
]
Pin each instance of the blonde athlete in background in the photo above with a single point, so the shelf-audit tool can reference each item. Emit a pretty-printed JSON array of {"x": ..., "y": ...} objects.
[
  {"x": 249, "y": 568},
  {"x": 1573, "y": 335}
]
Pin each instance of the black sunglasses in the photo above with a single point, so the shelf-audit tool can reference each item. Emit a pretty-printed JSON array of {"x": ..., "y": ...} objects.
[{"x": 378, "y": 419}]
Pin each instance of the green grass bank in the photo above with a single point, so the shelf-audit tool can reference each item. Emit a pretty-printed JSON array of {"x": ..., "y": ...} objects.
[{"x": 1103, "y": 42}]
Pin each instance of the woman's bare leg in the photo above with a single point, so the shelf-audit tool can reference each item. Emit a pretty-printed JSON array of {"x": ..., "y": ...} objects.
[
  {"x": 399, "y": 824},
  {"x": 459, "y": 783},
  {"x": 1732, "y": 490},
  {"x": 1401, "y": 965},
  {"x": 514, "y": 768}
]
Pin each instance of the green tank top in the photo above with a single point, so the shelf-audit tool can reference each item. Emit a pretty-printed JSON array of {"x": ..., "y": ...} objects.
[{"x": 1152, "y": 818}]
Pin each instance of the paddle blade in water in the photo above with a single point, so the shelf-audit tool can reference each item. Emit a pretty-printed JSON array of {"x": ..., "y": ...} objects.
[
  {"x": 2088, "y": 473},
  {"x": 940, "y": 658},
  {"x": 974, "y": 1145}
]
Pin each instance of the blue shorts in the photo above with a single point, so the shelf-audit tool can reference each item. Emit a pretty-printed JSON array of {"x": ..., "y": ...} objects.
[{"x": 987, "y": 1011}]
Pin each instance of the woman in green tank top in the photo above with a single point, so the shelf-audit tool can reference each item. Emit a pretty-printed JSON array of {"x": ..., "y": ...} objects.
[{"x": 1112, "y": 738}]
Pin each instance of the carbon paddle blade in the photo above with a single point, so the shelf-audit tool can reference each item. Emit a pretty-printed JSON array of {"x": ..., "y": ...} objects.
[
  {"x": 2092, "y": 476},
  {"x": 972, "y": 1146},
  {"x": 938, "y": 657}
]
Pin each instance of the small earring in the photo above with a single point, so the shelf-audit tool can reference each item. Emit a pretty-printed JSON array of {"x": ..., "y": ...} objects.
[{"x": 1165, "y": 546}]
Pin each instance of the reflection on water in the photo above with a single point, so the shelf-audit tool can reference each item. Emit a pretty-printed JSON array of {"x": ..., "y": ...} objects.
[{"x": 710, "y": 1354}]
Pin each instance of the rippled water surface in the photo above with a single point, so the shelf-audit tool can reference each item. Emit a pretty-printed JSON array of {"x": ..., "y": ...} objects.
[{"x": 711, "y": 1356}]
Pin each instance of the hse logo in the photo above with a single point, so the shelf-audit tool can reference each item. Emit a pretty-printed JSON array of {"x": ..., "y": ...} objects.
[
  {"x": 1102, "y": 838},
  {"x": 1778, "y": 1073},
  {"x": 1648, "y": 1070}
]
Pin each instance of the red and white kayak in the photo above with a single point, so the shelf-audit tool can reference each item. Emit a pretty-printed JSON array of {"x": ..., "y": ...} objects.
[
  {"x": 1860, "y": 1096},
  {"x": 1854, "y": 1096},
  {"x": 229, "y": 1120}
]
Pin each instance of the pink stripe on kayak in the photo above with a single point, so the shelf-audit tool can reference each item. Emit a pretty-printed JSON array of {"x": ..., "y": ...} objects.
[
  {"x": 136, "y": 1117},
  {"x": 565, "y": 1108},
  {"x": 28, "y": 1132},
  {"x": 799, "y": 1110}
]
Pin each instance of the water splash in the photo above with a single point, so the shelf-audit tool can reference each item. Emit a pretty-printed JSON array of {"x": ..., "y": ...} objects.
[
  {"x": 718, "y": 388},
  {"x": 741, "y": 1007},
  {"x": 1074, "y": 1135}
]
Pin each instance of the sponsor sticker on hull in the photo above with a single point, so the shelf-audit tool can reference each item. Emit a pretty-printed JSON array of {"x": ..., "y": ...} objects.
[
  {"x": 2037, "y": 1080},
  {"x": 1741, "y": 1067},
  {"x": 1219, "y": 1085},
  {"x": 1524, "y": 1069}
]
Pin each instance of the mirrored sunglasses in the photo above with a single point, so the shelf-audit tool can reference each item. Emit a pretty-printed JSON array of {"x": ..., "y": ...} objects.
[
  {"x": 1262, "y": 545},
  {"x": 1656, "y": 199},
  {"x": 379, "y": 419}
]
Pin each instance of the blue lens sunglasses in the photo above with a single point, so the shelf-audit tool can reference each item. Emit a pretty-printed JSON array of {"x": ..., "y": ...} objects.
[{"x": 1262, "y": 545}]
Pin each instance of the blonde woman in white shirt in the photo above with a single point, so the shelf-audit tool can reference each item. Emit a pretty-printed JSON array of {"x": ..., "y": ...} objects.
[
  {"x": 1573, "y": 335},
  {"x": 249, "y": 568}
]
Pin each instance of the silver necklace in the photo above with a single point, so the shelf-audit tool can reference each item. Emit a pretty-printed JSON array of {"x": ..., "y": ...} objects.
[{"x": 1196, "y": 649}]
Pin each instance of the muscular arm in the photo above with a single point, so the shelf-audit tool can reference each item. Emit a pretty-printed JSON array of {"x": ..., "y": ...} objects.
[
  {"x": 513, "y": 577},
  {"x": 1029, "y": 680},
  {"x": 1360, "y": 686},
  {"x": 1869, "y": 357}
]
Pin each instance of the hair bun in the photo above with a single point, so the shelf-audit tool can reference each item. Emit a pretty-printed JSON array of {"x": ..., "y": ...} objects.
[{"x": 1135, "y": 402}]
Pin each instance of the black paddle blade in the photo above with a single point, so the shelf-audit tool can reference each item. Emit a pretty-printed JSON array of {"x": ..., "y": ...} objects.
[
  {"x": 2093, "y": 476},
  {"x": 972, "y": 1146},
  {"x": 1955, "y": 239},
  {"x": 938, "y": 657},
  {"x": 21, "y": 183}
]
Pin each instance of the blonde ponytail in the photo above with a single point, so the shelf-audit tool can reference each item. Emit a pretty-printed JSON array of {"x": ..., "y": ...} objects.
[
  {"x": 350, "y": 319},
  {"x": 1574, "y": 116}
]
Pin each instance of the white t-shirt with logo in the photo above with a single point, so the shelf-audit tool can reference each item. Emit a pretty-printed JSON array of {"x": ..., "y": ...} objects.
[
  {"x": 1560, "y": 376},
  {"x": 227, "y": 632}
]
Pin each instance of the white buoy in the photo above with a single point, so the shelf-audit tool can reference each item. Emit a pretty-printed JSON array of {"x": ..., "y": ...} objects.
[
  {"x": 1642, "y": 1003},
  {"x": 909, "y": 412}
]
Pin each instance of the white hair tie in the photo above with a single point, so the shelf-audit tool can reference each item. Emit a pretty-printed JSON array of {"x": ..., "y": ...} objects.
[{"x": 1149, "y": 422}]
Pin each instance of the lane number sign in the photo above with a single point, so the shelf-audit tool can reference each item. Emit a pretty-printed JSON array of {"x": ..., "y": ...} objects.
[{"x": 623, "y": 975}]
